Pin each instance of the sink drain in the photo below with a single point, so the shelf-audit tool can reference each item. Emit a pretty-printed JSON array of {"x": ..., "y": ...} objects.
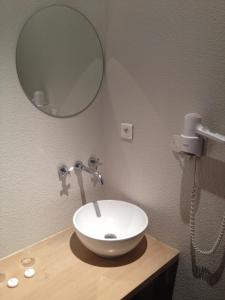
[{"x": 110, "y": 236}]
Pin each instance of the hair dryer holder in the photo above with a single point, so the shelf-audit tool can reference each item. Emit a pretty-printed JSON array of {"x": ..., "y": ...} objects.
[{"x": 191, "y": 141}]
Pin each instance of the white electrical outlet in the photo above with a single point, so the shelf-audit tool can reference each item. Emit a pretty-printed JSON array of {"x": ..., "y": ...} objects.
[{"x": 126, "y": 131}]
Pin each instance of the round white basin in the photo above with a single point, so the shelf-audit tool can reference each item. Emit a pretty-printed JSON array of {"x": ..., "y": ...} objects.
[{"x": 110, "y": 227}]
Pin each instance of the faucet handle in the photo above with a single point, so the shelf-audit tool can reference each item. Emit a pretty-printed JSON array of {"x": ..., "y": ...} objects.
[
  {"x": 63, "y": 171},
  {"x": 94, "y": 162},
  {"x": 78, "y": 165}
]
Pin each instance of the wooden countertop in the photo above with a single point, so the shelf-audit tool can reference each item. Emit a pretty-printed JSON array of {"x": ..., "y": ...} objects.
[{"x": 66, "y": 270}]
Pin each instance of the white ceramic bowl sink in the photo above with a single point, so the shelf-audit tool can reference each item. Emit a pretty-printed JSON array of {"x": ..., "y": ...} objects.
[{"x": 110, "y": 227}]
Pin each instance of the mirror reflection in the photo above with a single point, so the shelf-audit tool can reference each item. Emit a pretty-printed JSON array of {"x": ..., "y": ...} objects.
[{"x": 59, "y": 61}]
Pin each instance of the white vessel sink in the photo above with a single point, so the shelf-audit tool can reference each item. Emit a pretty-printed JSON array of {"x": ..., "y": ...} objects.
[{"x": 110, "y": 227}]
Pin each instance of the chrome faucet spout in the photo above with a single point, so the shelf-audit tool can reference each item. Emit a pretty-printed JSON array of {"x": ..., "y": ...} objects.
[{"x": 79, "y": 166}]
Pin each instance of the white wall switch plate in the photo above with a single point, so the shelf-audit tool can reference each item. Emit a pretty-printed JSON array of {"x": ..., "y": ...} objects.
[{"x": 126, "y": 131}]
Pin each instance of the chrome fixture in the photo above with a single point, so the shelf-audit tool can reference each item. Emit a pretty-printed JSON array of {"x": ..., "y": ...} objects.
[
  {"x": 91, "y": 169},
  {"x": 93, "y": 163},
  {"x": 63, "y": 171},
  {"x": 191, "y": 141}
]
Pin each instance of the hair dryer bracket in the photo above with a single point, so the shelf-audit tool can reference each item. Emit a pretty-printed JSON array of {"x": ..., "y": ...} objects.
[{"x": 191, "y": 141}]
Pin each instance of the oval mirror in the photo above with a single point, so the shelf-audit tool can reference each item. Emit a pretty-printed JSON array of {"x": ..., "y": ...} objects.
[{"x": 59, "y": 61}]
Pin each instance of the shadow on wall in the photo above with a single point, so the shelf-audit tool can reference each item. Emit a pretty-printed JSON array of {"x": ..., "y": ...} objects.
[
  {"x": 210, "y": 177},
  {"x": 65, "y": 187},
  {"x": 81, "y": 187},
  {"x": 203, "y": 272}
]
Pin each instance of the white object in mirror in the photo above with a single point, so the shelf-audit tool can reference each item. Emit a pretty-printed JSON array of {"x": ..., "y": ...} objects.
[
  {"x": 110, "y": 228},
  {"x": 59, "y": 61}
]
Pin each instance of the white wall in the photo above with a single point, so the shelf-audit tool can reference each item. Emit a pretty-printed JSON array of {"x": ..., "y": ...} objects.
[
  {"x": 33, "y": 144},
  {"x": 165, "y": 59}
]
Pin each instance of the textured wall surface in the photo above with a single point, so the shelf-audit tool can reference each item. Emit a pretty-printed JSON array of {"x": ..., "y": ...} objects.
[
  {"x": 33, "y": 144},
  {"x": 166, "y": 59}
]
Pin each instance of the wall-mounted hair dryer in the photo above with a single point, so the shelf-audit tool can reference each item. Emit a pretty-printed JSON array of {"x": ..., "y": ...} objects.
[{"x": 191, "y": 140}]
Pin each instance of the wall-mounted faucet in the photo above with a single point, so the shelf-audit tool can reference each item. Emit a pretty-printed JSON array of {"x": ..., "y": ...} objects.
[{"x": 91, "y": 169}]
